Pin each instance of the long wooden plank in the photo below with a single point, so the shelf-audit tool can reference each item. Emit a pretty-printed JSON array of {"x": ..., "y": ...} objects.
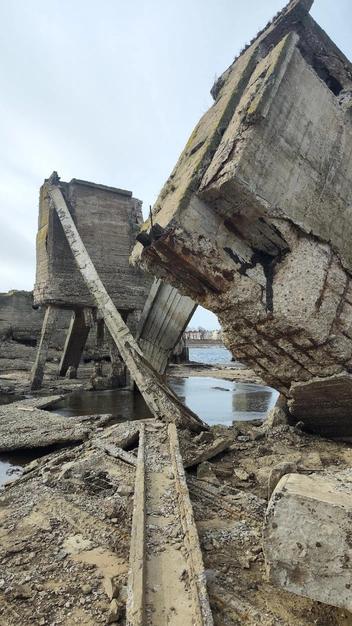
[{"x": 135, "y": 609}]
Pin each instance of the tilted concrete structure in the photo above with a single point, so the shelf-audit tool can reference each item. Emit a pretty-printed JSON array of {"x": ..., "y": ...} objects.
[{"x": 255, "y": 222}]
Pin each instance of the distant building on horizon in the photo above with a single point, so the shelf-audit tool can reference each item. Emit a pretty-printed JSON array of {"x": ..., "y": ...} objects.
[{"x": 201, "y": 334}]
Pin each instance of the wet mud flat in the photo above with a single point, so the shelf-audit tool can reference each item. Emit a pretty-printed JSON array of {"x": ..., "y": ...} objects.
[{"x": 65, "y": 525}]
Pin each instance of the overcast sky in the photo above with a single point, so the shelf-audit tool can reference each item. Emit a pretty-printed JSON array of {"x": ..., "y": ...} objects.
[{"x": 109, "y": 91}]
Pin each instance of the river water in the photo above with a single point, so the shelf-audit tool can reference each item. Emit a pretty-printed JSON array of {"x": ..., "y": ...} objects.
[{"x": 216, "y": 401}]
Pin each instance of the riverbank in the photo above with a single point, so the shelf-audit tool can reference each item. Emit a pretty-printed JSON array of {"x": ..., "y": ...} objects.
[{"x": 16, "y": 381}]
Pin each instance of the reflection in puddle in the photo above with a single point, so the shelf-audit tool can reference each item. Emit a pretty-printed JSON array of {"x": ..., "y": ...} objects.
[
  {"x": 211, "y": 400},
  {"x": 121, "y": 403}
]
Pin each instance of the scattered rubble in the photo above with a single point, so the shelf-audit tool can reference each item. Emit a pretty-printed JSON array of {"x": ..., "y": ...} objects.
[{"x": 65, "y": 526}]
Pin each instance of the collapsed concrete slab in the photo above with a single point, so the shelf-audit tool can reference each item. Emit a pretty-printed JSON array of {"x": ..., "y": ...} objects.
[
  {"x": 307, "y": 537},
  {"x": 254, "y": 222},
  {"x": 27, "y": 425}
]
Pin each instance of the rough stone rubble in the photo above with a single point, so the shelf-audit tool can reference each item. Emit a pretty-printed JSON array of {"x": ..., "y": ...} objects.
[{"x": 65, "y": 526}]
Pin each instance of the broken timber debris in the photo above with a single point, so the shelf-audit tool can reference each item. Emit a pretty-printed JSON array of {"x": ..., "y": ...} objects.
[
  {"x": 254, "y": 222},
  {"x": 157, "y": 394}
]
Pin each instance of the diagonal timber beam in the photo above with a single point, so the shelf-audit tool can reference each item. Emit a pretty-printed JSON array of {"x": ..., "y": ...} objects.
[{"x": 159, "y": 397}]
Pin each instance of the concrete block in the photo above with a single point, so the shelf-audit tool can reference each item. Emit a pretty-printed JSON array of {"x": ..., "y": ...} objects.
[
  {"x": 307, "y": 539},
  {"x": 108, "y": 221}
]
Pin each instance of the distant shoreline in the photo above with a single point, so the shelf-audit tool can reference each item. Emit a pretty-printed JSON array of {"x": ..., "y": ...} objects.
[{"x": 204, "y": 343}]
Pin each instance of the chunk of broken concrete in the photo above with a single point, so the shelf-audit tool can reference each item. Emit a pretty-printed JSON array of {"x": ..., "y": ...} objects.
[
  {"x": 194, "y": 456},
  {"x": 112, "y": 587},
  {"x": 114, "y": 612},
  {"x": 280, "y": 470},
  {"x": 307, "y": 537},
  {"x": 205, "y": 472},
  {"x": 276, "y": 417}
]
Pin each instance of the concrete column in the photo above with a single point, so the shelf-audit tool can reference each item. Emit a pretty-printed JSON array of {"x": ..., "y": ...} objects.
[
  {"x": 118, "y": 368},
  {"x": 37, "y": 372},
  {"x": 77, "y": 335},
  {"x": 99, "y": 343}
]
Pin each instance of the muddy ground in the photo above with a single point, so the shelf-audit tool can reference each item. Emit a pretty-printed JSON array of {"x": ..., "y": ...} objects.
[{"x": 65, "y": 523}]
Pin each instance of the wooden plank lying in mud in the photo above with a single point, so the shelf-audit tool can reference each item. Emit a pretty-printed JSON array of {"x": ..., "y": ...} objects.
[
  {"x": 157, "y": 394},
  {"x": 167, "y": 582},
  {"x": 117, "y": 452}
]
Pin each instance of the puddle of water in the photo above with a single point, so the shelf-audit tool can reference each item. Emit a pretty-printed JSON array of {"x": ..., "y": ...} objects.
[
  {"x": 121, "y": 403},
  {"x": 12, "y": 463},
  {"x": 216, "y": 401},
  {"x": 219, "y": 401}
]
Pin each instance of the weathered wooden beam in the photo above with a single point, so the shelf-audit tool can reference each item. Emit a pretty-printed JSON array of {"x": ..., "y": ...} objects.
[
  {"x": 135, "y": 609},
  {"x": 161, "y": 400},
  {"x": 167, "y": 581},
  {"x": 117, "y": 452}
]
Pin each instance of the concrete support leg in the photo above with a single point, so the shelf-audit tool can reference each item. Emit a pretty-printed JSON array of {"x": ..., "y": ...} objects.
[
  {"x": 37, "y": 372},
  {"x": 118, "y": 368},
  {"x": 75, "y": 341},
  {"x": 99, "y": 342}
]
